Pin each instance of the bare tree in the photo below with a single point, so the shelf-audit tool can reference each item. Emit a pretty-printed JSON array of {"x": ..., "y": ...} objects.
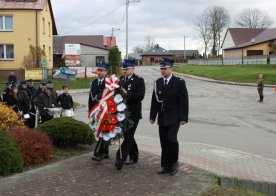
[
  {"x": 33, "y": 59},
  {"x": 253, "y": 18},
  {"x": 149, "y": 43},
  {"x": 219, "y": 19},
  {"x": 137, "y": 50},
  {"x": 203, "y": 27}
]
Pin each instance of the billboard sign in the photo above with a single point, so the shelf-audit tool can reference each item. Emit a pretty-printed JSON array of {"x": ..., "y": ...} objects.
[
  {"x": 72, "y": 49},
  {"x": 72, "y": 61}
]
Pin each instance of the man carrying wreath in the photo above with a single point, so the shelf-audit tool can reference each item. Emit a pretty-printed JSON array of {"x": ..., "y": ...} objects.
[
  {"x": 133, "y": 88},
  {"x": 97, "y": 87}
]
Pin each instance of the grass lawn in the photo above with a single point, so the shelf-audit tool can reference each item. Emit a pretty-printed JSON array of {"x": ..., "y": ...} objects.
[
  {"x": 82, "y": 83},
  {"x": 237, "y": 73},
  {"x": 58, "y": 83}
]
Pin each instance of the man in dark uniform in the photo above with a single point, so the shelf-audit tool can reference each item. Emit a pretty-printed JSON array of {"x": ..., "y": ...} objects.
[
  {"x": 33, "y": 93},
  {"x": 7, "y": 91},
  {"x": 23, "y": 92},
  {"x": 39, "y": 90},
  {"x": 22, "y": 89},
  {"x": 170, "y": 102},
  {"x": 133, "y": 88},
  {"x": 43, "y": 102},
  {"x": 12, "y": 78},
  {"x": 50, "y": 86},
  {"x": 97, "y": 87}
]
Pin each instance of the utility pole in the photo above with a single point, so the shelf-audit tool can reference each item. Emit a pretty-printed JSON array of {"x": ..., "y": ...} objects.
[
  {"x": 184, "y": 50},
  {"x": 112, "y": 32},
  {"x": 127, "y": 5}
]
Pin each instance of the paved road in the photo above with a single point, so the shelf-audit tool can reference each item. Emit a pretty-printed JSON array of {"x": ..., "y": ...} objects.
[{"x": 229, "y": 132}]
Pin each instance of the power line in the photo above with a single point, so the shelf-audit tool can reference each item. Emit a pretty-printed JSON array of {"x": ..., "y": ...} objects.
[
  {"x": 122, "y": 20},
  {"x": 93, "y": 21}
]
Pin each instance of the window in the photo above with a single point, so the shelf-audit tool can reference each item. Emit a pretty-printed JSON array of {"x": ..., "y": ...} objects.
[
  {"x": 6, "y": 52},
  {"x": 6, "y": 23},
  {"x": 43, "y": 25}
]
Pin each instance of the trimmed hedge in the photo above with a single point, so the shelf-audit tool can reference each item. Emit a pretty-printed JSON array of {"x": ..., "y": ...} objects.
[
  {"x": 66, "y": 131},
  {"x": 11, "y": 159},
  {"x": 35, "y": 145},
  {"x": 9, "y": 118}
]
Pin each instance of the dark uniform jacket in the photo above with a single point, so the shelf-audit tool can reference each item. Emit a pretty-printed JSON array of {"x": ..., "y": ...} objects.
[
  {"x": 6, "y": 94},
  {"x": 18, "y": 103},
  {"x": 44, "y": 101},
  {"x": 54, "y": 94},
  {"x": 12, "y": 78},
  {"x": 32, "y": 93},
  {"x": 135, "y": 87},
  {"x": 95, "y": 93},
  {"x": 65, "y": 101},
  {"x": 170, "y": 103},
  {"x": 25, "y": 97}
]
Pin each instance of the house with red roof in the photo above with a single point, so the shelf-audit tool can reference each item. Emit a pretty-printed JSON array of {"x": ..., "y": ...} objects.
[
  {"x": 242, "y": 42},
  {"x": 24, "y": 23}
]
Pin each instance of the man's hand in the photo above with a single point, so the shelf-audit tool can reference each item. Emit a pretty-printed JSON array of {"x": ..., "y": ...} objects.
[
  {"x": 152, "y": 121},
  {"x": 183, "y": 122},
  {"x": 124, "y": 90}
]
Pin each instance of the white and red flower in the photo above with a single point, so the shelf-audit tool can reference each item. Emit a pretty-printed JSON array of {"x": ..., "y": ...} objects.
[{"x": 109, "y": 113}]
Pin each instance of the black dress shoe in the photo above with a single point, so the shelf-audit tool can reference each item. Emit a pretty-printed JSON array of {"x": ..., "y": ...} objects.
[
  {"x": 163, "y": 170},
  {"x": 174, "y": 169},
  {"x": 96, "y": 158},
  {"x": 131, "y": 162},
  {"x": 119, "y": 165}
]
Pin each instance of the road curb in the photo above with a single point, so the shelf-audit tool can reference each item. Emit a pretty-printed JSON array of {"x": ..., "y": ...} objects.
[
  {"x": 250, "y": 185},
  {"x": 221, "y": 81}
]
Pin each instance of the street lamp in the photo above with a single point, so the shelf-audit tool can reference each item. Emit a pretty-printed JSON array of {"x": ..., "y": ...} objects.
[
  {"x": 112, "y": 32},
  {"x": 127, "y": 5}
]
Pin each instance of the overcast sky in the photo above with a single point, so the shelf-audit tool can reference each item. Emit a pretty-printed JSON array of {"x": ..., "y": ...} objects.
[{"x": 167, "y": 21}]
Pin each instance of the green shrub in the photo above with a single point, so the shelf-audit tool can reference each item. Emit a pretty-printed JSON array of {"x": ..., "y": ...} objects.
[
  {"x": 36, "y": 146},
  {"x": 11, "y": 159},
  {"x": 66, "y": 131}
]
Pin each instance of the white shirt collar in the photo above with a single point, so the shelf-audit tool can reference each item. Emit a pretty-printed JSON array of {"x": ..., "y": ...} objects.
[
  {"x": 168, "y": 79},
  {"x": 101, "y": 79},
  {"x": 129, "y": 76}
]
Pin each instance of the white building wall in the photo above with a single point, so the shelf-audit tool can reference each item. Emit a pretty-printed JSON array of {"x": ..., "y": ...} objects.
[{"x": 228, "y": 42}]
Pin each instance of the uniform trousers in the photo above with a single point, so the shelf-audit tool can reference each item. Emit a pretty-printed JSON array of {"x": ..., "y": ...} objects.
[
  {"x": 169, "y": 145},
  {"x": 102, "y": 148},
  {"x": 129, "y": 145}
]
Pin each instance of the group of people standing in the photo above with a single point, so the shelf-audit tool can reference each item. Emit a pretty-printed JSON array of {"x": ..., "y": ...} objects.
[
  {"x": 169, "y": 102},
  {"x": 24, "y": 98}
]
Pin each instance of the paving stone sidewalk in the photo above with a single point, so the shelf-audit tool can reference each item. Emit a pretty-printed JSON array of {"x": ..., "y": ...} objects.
[{"x": 81, "y": 176}]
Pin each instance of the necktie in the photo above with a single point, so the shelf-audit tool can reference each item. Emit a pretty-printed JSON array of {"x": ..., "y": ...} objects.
[
  {"x": 166, "y": 82},
  {"x": 126, "y": 79},
  {"x": 100, "y": 82}
]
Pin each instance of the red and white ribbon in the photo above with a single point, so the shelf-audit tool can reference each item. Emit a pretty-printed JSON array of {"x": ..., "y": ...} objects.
[{"x": 111, "y": 84}]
